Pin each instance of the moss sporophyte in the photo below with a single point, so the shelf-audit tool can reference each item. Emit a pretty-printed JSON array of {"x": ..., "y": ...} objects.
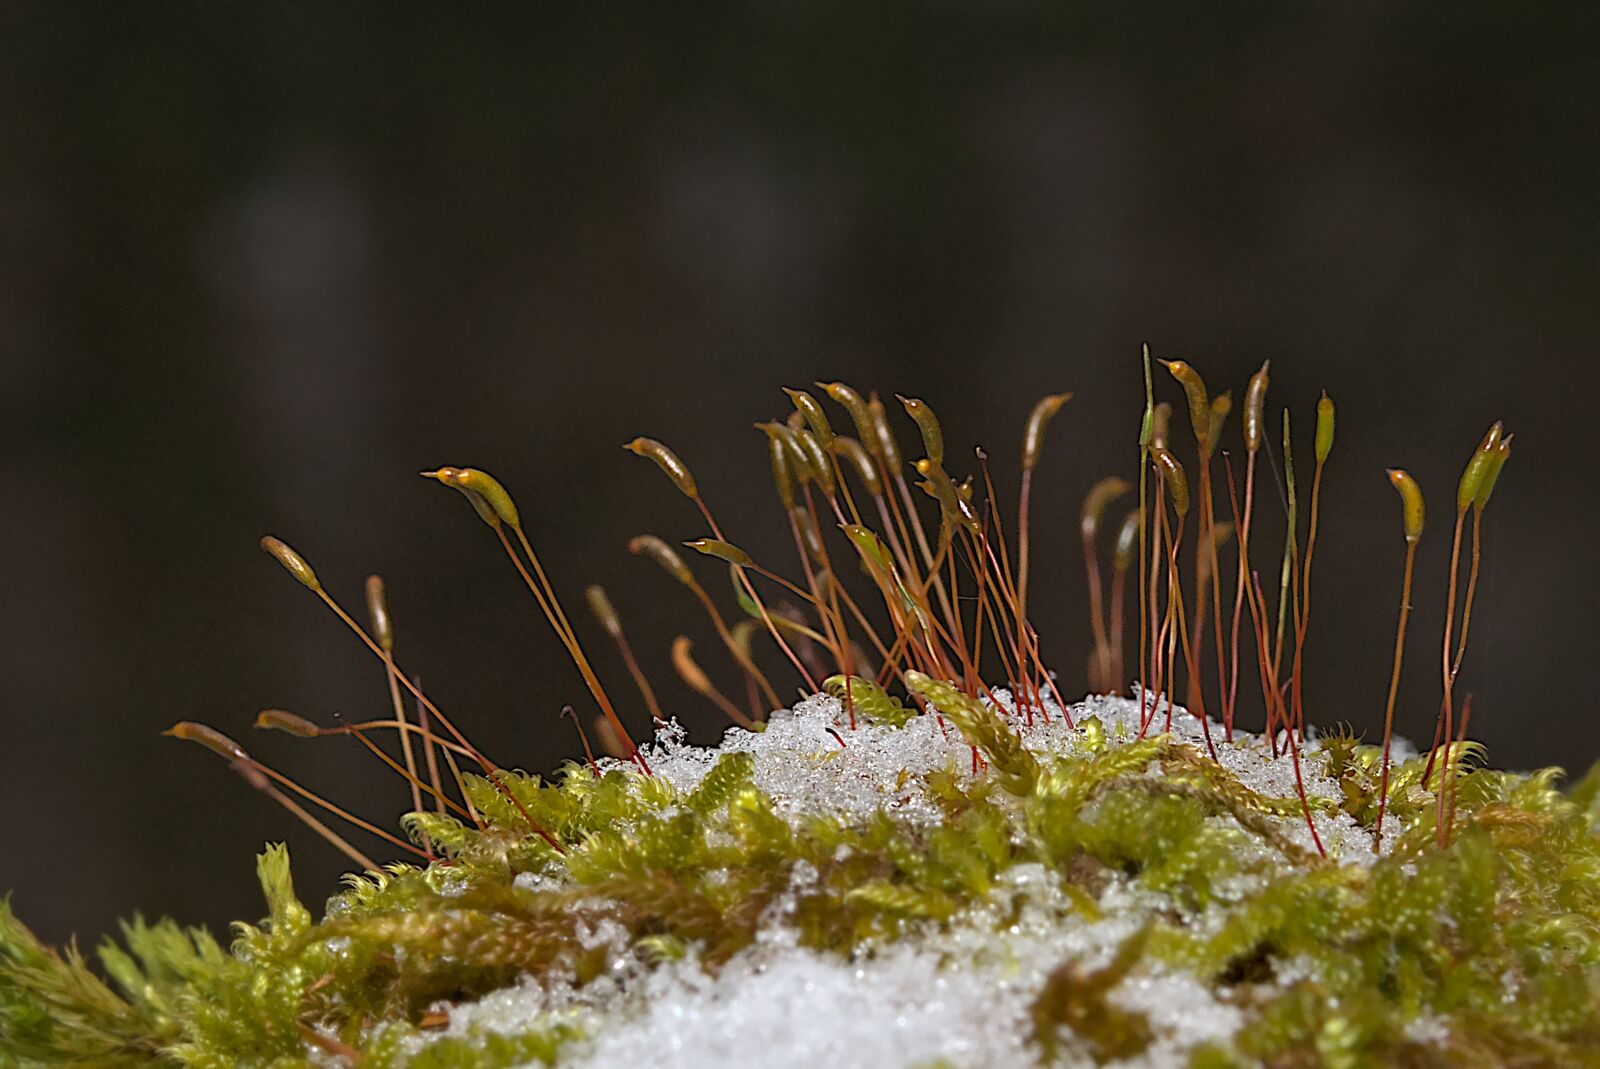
[{"x": 933, "y": 858}]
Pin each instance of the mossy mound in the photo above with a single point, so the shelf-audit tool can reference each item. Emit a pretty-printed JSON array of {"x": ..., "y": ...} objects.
[{"x": 981, "y": 890}]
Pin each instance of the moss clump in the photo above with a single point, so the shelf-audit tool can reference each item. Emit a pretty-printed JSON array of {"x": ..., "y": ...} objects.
[{"x": 1495, "y": 939}]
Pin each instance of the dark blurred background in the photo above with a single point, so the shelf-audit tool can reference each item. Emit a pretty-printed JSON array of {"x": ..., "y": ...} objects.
[{"x": 259, "y": 266}]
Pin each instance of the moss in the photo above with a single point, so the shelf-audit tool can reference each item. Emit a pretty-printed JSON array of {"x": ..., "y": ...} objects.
[{"x": 1497, "y": 936}]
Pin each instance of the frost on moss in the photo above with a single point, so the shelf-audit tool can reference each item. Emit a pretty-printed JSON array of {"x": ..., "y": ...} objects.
[{"x": 1195, "y": 875}]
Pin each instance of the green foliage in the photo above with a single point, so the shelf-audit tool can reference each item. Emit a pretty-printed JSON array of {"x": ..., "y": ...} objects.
[{"x": 1498, "y": 936}]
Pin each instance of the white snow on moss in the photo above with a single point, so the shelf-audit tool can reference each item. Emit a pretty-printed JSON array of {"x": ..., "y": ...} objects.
[{"x": 957, "y": 994}]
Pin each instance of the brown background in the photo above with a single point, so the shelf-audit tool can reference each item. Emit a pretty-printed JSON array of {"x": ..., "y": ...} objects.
[{"x": 258, "y": 269}]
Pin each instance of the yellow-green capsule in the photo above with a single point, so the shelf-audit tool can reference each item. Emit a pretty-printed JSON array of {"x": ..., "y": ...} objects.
[
  {"x": 1038, "y": 419},
  {"x": 807, "y": 406},
  {"x": 870, "y": 545},
  {"x": 1478, "y": 466},
  {"x": 282, "y": 720},
  {"x": 1127, "y": 541},
  {"x": 883, "y": 439},
  {"x": 1161, "y": 426},
  {"x": 209, "y": 737},
  {"x": 378, "y": 613},
  {"x": 451, "y": 477},
  {"x": 1491, "y": 475},
  {"x": 292, "y": 562},
  {"x": 725, "y": 551},
  {"x": 855, "y": 454},
  {"x": 486, "y": 486},
  {"x": 1255, "y": 407},
  {"x": 668, "y": 462},
  {"x": 1410, "y": 502},
  {"x": 1324, "y": 444},
  {"x": 1194, "y": 389},
  {"x": 664, "y": 555},
  {"x": 600, "y": 605},
  {"x": 1100, "y": 495},
  {"x": 1177, "y": 482},
  {"x": 928, "y": 424}
]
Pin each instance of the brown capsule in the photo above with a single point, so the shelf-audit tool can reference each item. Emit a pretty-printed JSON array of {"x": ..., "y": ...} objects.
[
  {"x": 1038, "y": 419},
  {"x": 1491, "y": 475},
  {"x": 1127, "y": 541},
  {"x": 855, "y": 454},
  {"x": 1194, "y": 389},
  {"x": 1410, "y": 502},
  {"x": 668, "y": 462},
  {"x": 887, "y": 445},
  {"x": 600, "y": 605},
  {"x": 1324, "y": 444},
  {"x": 292, "y": 562},
  {"x": 821, "y": 466},
  {"x": 663, "y": 554},
  {"x": 451, "y": 477},
  {"x": 816, "y": 418},
  {"x": 1255, "y": 407},
  {"x": 853, "y": 403},
  {"x": 795, "y": 420},
  {"x": 210, "y": 738},
  {"x": 1177, "y": 482},
  {"x": 928, "y": 425},
  {"x": 1478, "y": 467},
  {"x": 1100, "y": 495},
  {"x": 378, "y": 614},
  {"x": 282, "y": 720},
  {"x": 1161, "y": 426},
  {"x": 724, "y": 551},
  {"x": 782, "y": 470}
]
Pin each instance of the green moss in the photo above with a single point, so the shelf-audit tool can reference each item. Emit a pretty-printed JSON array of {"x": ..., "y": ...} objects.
[{"x": 1497, "y": 936}]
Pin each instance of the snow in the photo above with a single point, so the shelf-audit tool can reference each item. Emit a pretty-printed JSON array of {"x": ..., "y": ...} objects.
[{"x": 954, "y": 995}]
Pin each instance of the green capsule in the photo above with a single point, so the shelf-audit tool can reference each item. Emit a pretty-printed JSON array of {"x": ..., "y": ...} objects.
[
  {"x": 886, "y": 445},
  {"x": 292, "y": 562},
  {"x": 799, "y": 460},
  {"x": 807, "y": 406},
  {"x": 928, "y": 424},
  {"x": 725, "y": 551},
  {"x": 1038, "y": 419},
  {"x": 1410, "y": 502},
  {"x": 1324, "y": 444},
  {"x": 1478, "y": 467},
  {"x": 853, "y": 403},
  {"x": 1491, "y": 475},
  {"x": 668, "y": 462},
  {"x": 782, "y": 470},
  {"x": 856, "y": 455},
  {"x": 1221, "y": 405},
  {"x": 451, "y": 477},
  {"x": 1161, "y": 426},
  {"x": 869, "y": 545},
  {"x": 810, "y": 537},
  {"x": 821, "y": 466}
]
